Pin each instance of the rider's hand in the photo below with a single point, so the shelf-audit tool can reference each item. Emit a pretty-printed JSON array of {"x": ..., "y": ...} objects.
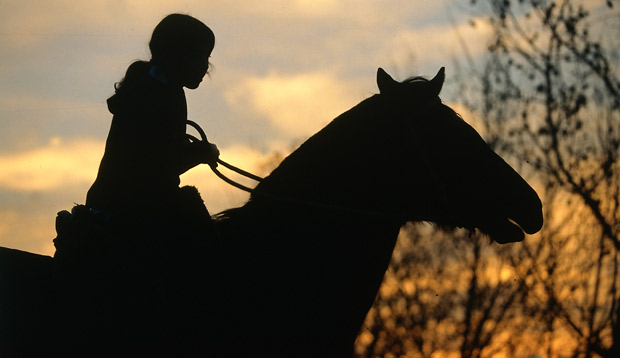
[{"x": 210, "y": 154}]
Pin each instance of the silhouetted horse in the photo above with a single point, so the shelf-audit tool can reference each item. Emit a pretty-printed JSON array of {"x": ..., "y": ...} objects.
[{"x": 296, "y": 269}]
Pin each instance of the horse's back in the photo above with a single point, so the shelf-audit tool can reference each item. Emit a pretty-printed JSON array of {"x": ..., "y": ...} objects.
[{"x": 26, "y": 300}]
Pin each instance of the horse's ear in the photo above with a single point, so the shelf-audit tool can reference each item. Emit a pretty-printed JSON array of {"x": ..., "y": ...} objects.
[
  {"x": 385, "y": 82},
  {"x": 437, "y": 82}
]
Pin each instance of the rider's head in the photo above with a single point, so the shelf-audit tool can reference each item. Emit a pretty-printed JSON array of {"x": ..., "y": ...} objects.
[{"x": 181, "y": 45}]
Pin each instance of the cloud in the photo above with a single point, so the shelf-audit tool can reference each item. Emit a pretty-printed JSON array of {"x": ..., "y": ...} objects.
[
  {"x": 52, "y": 167},
  {"x": 316, "y": 7},
  {"x": 38, "y": 183},
  {"x": 27, "y": 231},
  {"x": 437, "y": 45},
  {"x": 299, "y": 104},
  {"x": 361, "y": 12},
  {"x": 6, "y": 217}
]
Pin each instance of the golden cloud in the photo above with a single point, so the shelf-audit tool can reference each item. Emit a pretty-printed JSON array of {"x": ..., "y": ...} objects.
[
  {"x": 64, "y": 170},
  {"x": 54, "y": 166},
  {"x": 27, "y": 231},
  {"x": 299, "y": 104},
  {"x": 438, "y": 43}
]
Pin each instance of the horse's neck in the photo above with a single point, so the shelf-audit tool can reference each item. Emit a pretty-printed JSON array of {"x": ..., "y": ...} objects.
[
  {"x": 323, "y": 252},
  {"x": 347, "y": 255},
  {"x": 354, "y": 238},
  {"x": 327, "y": 195},
  {"x": 314, "y": 214},
  {"x": 325, "y": 266}
]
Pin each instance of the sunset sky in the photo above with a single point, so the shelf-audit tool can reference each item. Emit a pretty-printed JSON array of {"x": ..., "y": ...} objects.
[{"x": 282, "y": 69}]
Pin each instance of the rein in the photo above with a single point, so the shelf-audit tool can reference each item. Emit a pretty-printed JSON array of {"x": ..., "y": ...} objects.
[{"x": 242, "y": 172}]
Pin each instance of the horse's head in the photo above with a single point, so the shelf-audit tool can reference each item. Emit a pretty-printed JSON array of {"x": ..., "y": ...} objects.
[{"x": 465, "y": 183}]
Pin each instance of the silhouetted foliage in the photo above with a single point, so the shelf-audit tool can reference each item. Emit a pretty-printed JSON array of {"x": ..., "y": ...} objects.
[
  {"x": 445, "y": 293},
  {"x": 551, "y": 97}
]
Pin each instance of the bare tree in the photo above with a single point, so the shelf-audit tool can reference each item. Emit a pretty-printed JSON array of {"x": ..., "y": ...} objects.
[
  {"x": 546, "y": 95},
  {"x": 447, "y": 292},
  {"x": 550, "y": 96}
]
